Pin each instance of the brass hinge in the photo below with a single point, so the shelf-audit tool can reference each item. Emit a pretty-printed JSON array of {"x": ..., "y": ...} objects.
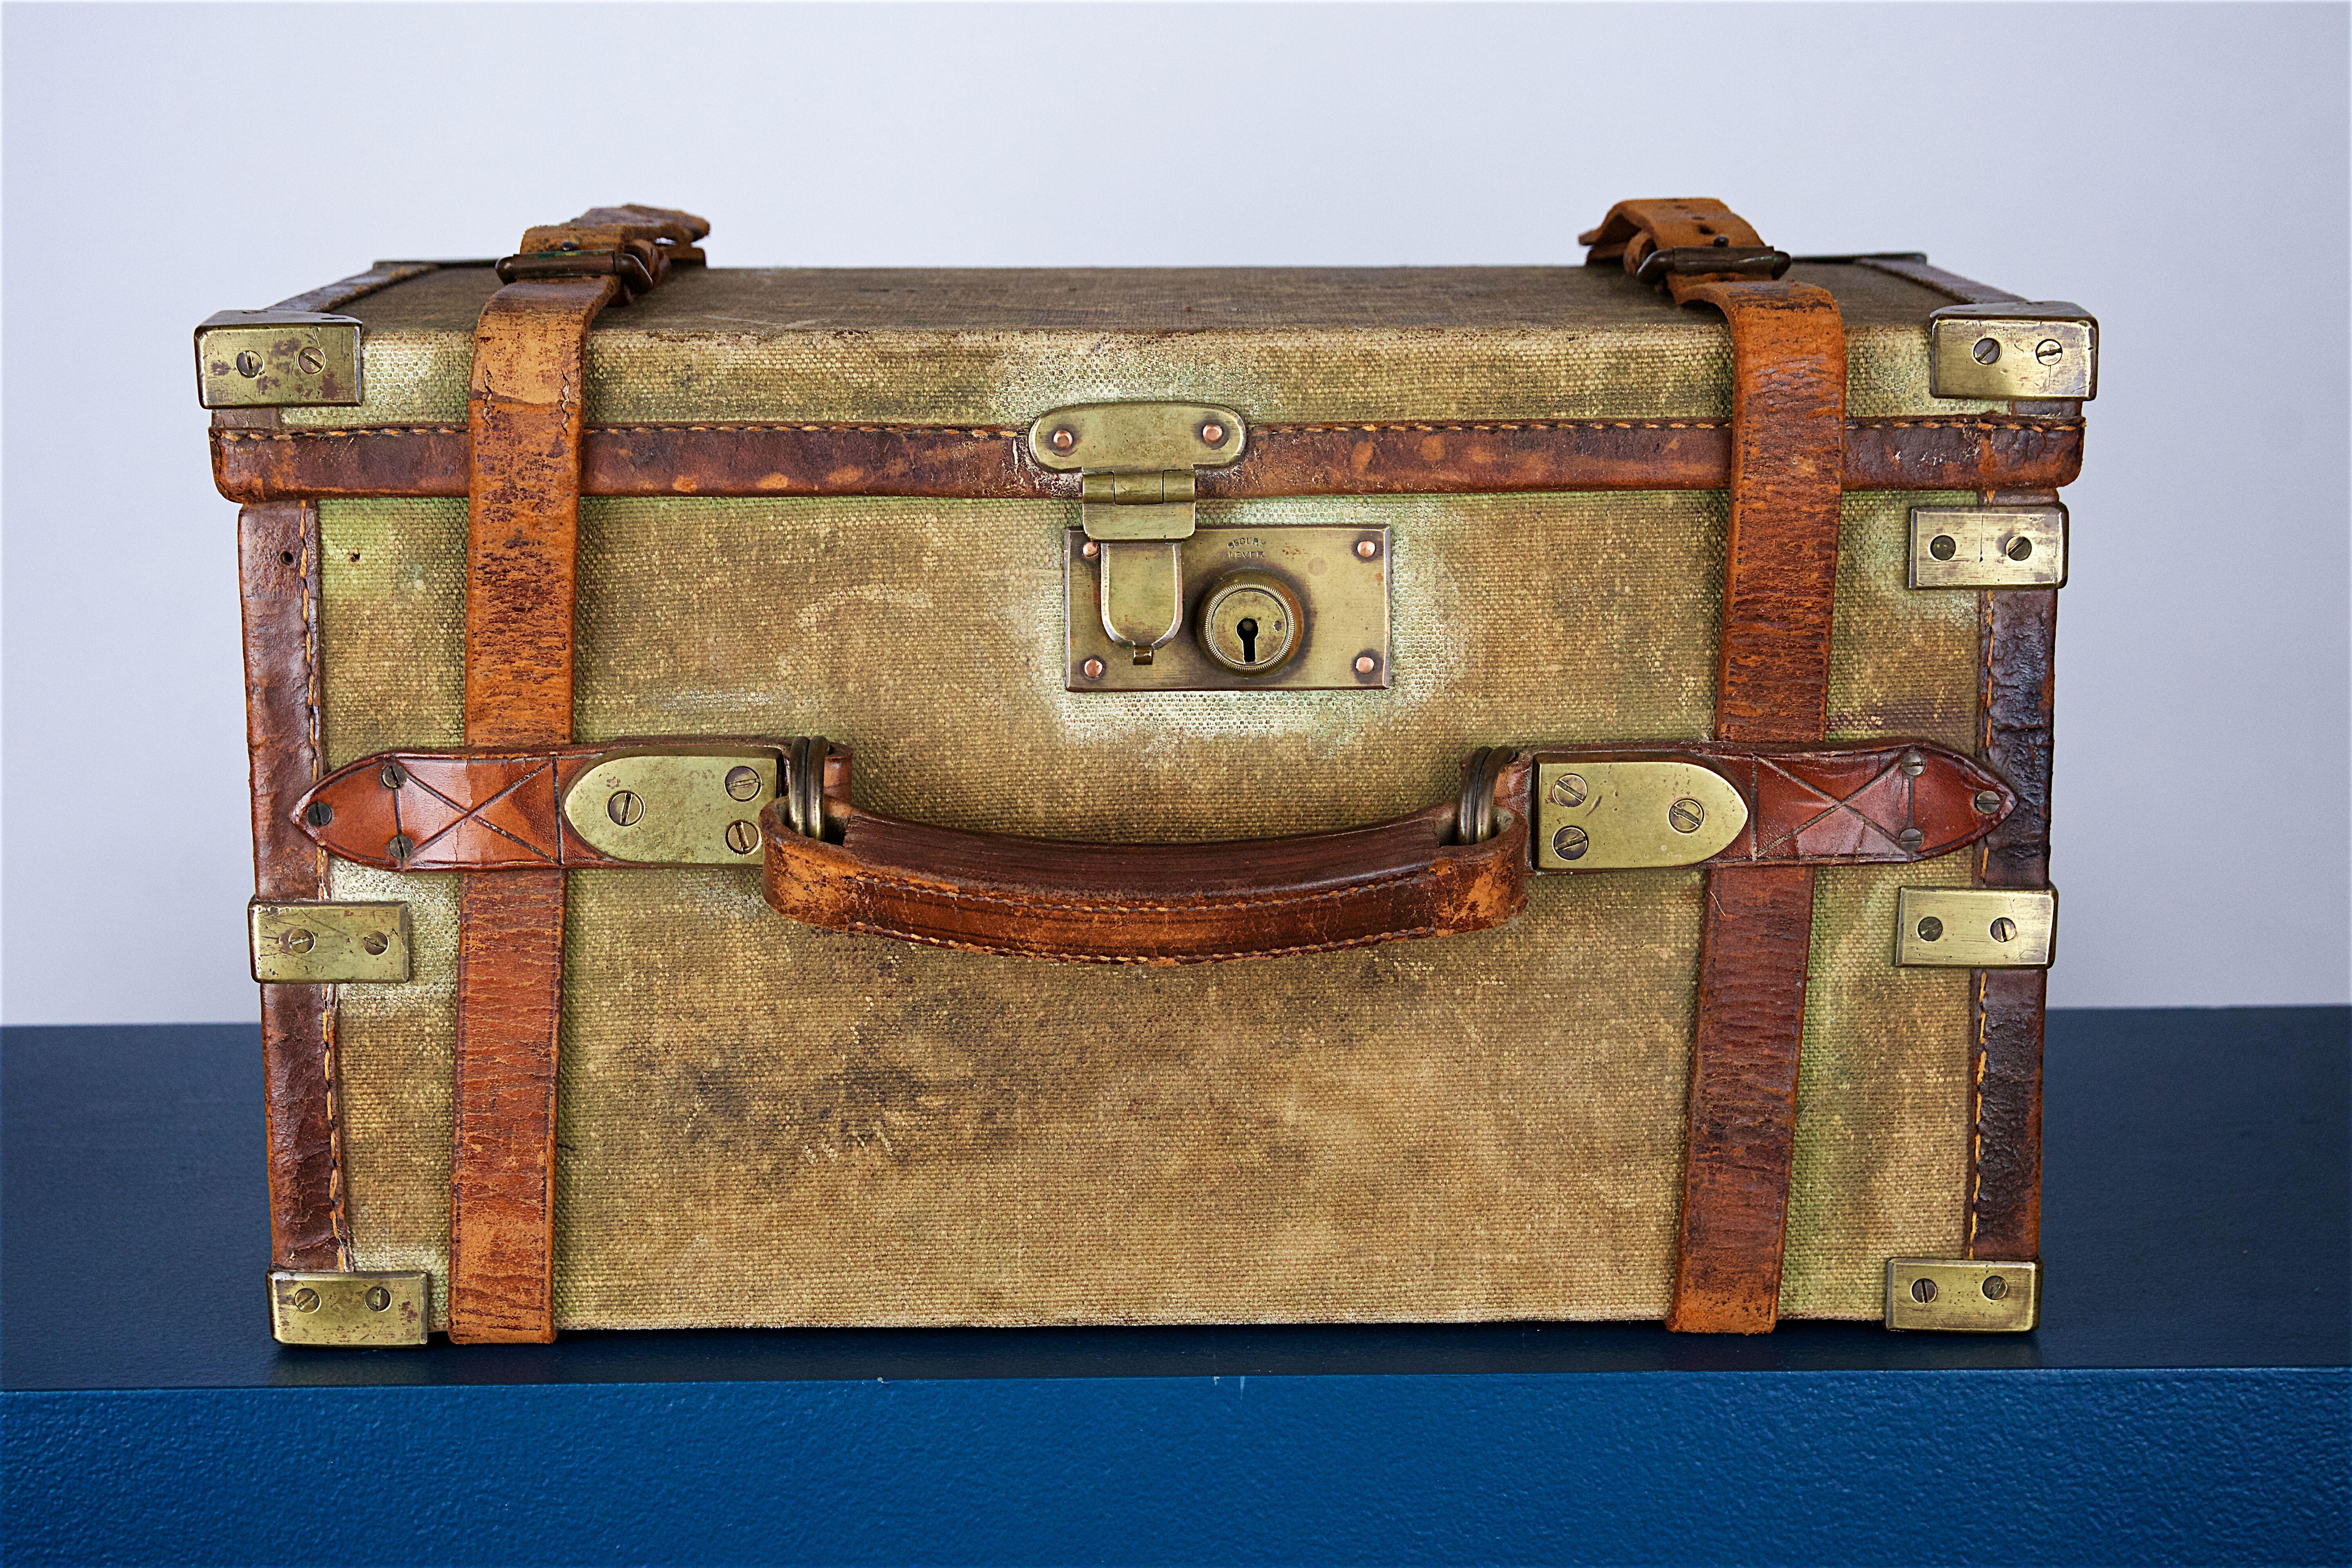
[
  {"x": 278, "y": 358},
  {"x": 1963, "y": 1295},
  {"x": 1136, "y": 463},
  {"x": 2006, "y": 353},
  {"x": 364, "y": 1311},
  {"x": 328, "y": 943},
  {"x": 1975, "y": 928},
  {"x": 1988, "y": 547}
]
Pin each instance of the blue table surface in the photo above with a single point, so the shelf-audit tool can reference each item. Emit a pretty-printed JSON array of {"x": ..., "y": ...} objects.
[{"x": 2183, "y": 1400}]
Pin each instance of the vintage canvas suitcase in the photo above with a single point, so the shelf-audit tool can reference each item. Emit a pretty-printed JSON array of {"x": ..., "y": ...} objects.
[{"x": 1378, "y": 794}]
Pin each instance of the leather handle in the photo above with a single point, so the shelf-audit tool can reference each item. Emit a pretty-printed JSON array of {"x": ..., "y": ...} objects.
[{"x": 1154, "y": 903}]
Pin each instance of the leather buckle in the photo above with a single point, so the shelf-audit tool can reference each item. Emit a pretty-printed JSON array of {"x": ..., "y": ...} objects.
[{"x": 1742, "y": 261}]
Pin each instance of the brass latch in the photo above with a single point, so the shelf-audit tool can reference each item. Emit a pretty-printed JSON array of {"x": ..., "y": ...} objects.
[
  {"x": 1963, "y": 1295},
  {"x": 362, "y": 1310},
  {"x": 277, "y": 359},
  {"x": 1136, "y": 463},
  {"x": 2046, "y": 351}
]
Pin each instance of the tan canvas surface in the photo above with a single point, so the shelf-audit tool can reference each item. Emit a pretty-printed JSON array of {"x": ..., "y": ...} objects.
[
  {"x": 1002, "y": 346},
  {"x": 762, "y": 1123}
]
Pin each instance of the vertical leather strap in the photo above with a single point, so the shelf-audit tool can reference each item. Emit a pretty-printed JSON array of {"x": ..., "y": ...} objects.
[
  {"x": 522, "y": 539},
  {"x": 1788, "y": 413},
  {"x": 278, "y": 571}
]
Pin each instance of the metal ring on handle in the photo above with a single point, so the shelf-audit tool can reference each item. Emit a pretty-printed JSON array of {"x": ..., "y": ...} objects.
[
  {"x": 1473, "y": 817},
  {"x": 804, "y": 785}
]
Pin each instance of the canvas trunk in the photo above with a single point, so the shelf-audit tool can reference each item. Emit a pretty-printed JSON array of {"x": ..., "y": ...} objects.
[{"x": 899, "y": 797}]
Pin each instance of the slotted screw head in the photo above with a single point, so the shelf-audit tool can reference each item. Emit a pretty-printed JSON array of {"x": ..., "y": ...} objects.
[
  {"x": 299, "y": 940},
  {"x": 318, "y": 814},
  {"x": 1995, "y": 1287},
  {"x": 2049, "y": 351},
  {"x": 742, "y": 838},
  {"x": 1570, "y": 843},
  {"x": 1987, "y": 801},
  {"x": 1943, "y": 547},
  {"x": 306, "y": 1300},
  {"x": 2019, "y": 548},
  {"x": 1987, "y": 351},
  {"x": 394, "y": 776},
  {"x": 376, "y": 941},
  {"x": 1911, "y": 838},
  {"x": 742, "y": 784},
  {"x": 1569, "y": 789},
  {"x": 378, "y": 1299},
  {"x": 248, "y": 364},
  {"x": 1923, "y": 1290},
  {"x": 624, "y": 808},
  {"x": 1914, "y": 764},
  {"x": 1930, "y": 929},
  {"x": 2003, "y": 929},
  {"x": 398, "y": 848},
  {"x": 1686, "y": 815},
  {"x": 311, "y": 360}
]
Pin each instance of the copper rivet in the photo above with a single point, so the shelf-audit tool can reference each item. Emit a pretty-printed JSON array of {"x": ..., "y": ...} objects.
[
  {"x": 1368, "y": 548},
  {"x": 312, "y": 362},
  {"x": 1063, "y": 440},
  {"x": 376, "y": 941},
  {"x": 1366, "y": 664},
  {"x": 1092, "y": 669},
  {"x": 1987, "y": 801},
  {"x": 306, "y": 1300},
  {"x": 248, "y": 364},
  {"x": 378, "y": 1299},
  {"x": 299, "y": 940},
  {"x": 742, "y": 784},
  {"x": 1090, "y": 548},
  {"x": 1213, "y": 434}
]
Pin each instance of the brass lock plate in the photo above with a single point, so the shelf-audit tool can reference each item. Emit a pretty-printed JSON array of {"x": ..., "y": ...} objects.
[
  {"x": 278, "y": 358},
  {"x": 1988, "y": 546},
  {"x": 1959, "y": 1295},
  {"x": 322, "y": 943},
  {"x": 1975, "y": 928},
  {"x": 2035, "y": 352},
  {"x": 1337, "y": 578},
  {"x": 364, "y": 1311},
  {"x": 676, "y": 809}
]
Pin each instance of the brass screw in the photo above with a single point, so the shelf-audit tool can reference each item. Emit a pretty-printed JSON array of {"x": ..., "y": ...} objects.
[
  {"x": 318, "y": 814},
  {"x": 1995, "y": 1287},
  {"x": 392, "y": 777},
  {"x": 1686, "y": 815},
  {"x": 1092, "y": 669},
  {"x": 2004, "y": 928},
  {"x": 1930, "y": 929},
  {"x": 1367, "y": 547},
  {"x": 624, "y": 808},
  {"x": 398, "y": 848},
  {"x": 1987, "y": 351},
  {"x": 1911, "y": 838},
  {"x": 742, "y": 784},
  {"x": 306, "y": 1300},
  {"x": 377, "y": 1298},
  {"x": 1914, "y": 764},
  {"x": 1569, "y": 789},
  {"x": 1923, "y": 1290},
  {"x": 248, "y": 364},
  {"x": 1987, "y": 801},
  {"x": 311, "y": 360},
  {"x": 299, "y": 940},
  {"x": 1212, "y": 433},
  {"x": 742, "y": 838},
  {"x": 1366, "y": 664},
  {"x": 1570, "y": 843},
  {"x": 1062, "y": 438},
  {"x": 376, "y": 941},
  {"x": 1090, "y": 548},
  {"x": 2019, "y": 548},
  {"x": 2049, "y": 351},
  {"x": 1943, "y": 547}
]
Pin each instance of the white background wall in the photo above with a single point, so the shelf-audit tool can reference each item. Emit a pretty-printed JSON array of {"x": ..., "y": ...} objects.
[{"x": 2182, "y": 171}]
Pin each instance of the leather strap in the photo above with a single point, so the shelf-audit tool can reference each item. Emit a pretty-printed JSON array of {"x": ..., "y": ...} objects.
[
  {"x": 1403, "y": 456},
  {"x": 1780, "y": 589},
  {"x": 523, "y": 423},
  {"x": 1154, "y": 903}
]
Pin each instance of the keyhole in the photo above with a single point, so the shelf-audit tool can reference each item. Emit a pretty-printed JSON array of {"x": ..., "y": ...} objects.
[{"x": 1246, "y": 629}]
